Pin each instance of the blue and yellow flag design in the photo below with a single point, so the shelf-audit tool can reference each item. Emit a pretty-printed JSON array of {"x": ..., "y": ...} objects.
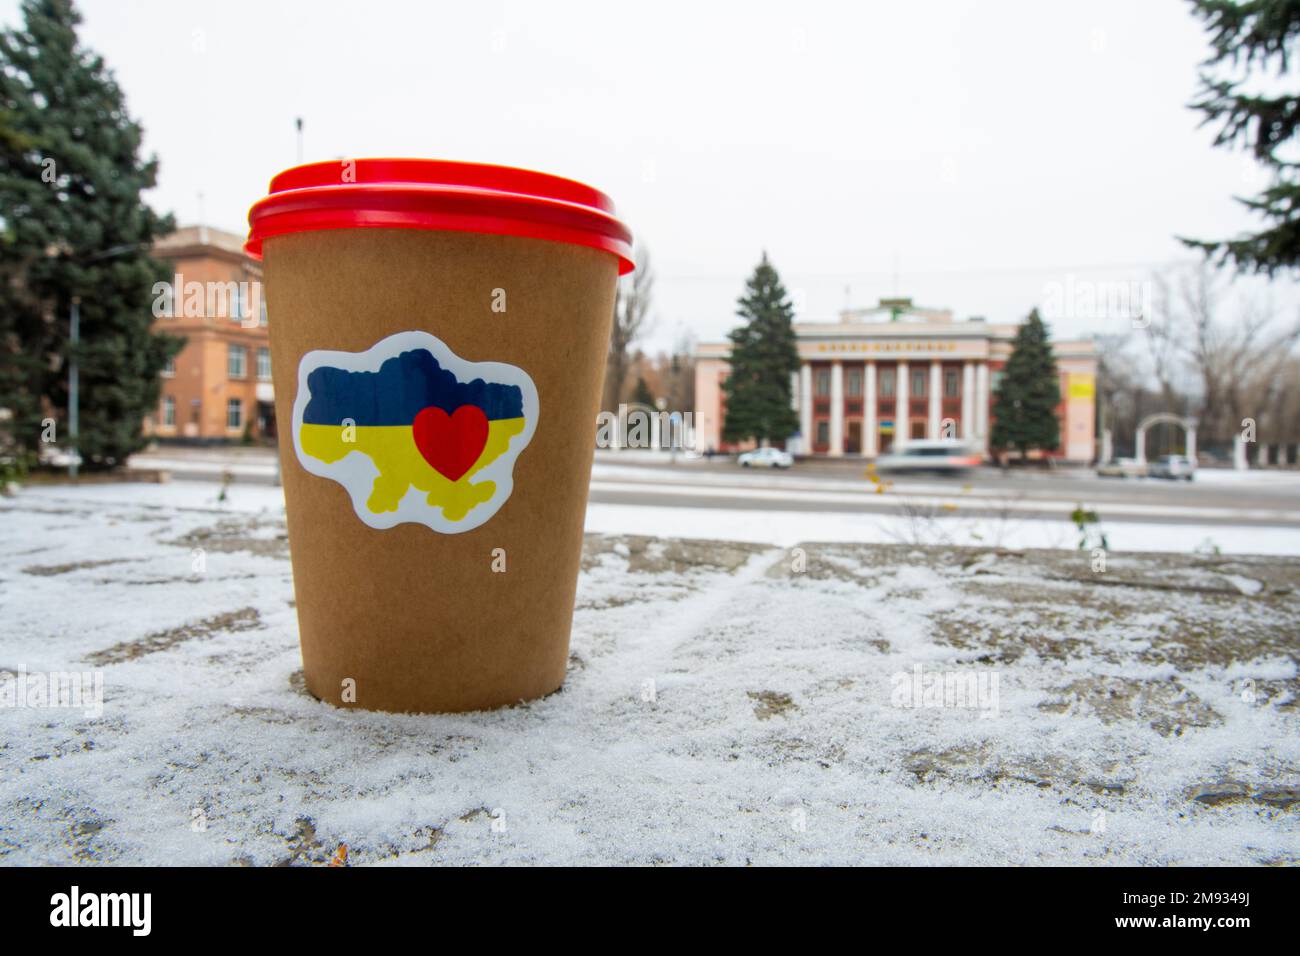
[{"x": 414, "y": 432}]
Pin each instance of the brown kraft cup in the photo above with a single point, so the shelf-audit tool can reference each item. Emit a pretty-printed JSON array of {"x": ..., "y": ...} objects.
[{"x": 438, "y": 340}]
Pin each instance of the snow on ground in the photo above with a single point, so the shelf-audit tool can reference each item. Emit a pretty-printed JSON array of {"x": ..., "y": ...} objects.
[
  {"x": 920, "y": 520},
  {"x": 1228, "y": 476},
  {"x": 191, "y": 463},
  {"x": 644, "y": 466},
  {"x": 647, "y": 457},
  {"x": 725, "y": 703},
  {"x": 787, "y": 528}
]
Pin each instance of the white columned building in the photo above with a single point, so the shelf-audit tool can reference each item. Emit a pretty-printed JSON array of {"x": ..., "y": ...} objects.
[
  {"x": 869, "y": 443},
  {"x": 806, "y": 407},
  {"x": 967, "y": 400},
  {"x": 936, "y": 398},
  {"x": 982, "y": 405},
  {"x": 855, "y": 382},
  {"x": 837, "y": 409},
  {"x": 902, "y": 412}
]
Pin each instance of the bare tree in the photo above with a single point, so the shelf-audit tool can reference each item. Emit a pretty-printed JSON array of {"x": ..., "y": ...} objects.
[
  {"x": 631, "y": 321},
  {"x": 677, "y": 372},
  {"x": 1163, "y": 339},
  {"x": 1219, "y": 370},
  {"x": 1122, "y": 392},
  {"x": 1280, "y": 420}
]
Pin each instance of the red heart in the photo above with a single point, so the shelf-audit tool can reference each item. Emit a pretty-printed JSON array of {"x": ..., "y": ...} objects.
[{"x": 451, "y": 443}]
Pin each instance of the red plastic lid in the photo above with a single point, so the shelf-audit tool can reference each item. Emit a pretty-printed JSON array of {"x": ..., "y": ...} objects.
[{"x": 435, "y": 194}]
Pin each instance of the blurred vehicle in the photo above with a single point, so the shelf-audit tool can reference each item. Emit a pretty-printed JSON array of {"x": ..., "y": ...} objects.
[
  {"x": 1173, "y": 467},
  {"x": 766, "y": 458},
  {"x": 944, "y": 455},
  {"x": 1122, "y": 468},
  {"x": 57, "y": 457}
]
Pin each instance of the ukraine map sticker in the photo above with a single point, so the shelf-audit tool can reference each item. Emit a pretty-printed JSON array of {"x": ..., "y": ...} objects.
[{"x": 415, "y": 433}]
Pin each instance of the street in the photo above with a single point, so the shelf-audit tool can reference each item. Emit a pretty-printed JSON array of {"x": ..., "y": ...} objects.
[{"x": 1216, "y": 497}]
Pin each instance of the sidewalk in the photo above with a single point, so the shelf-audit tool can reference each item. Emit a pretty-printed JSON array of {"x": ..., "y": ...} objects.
[
  {"x": 722, "y": 706},
  {"x": 210, "y": 462},
  {"x": 784, "y": 509}
]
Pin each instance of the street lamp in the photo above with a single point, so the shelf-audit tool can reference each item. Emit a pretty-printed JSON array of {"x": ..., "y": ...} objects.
[{"x": 74, "y": 385}]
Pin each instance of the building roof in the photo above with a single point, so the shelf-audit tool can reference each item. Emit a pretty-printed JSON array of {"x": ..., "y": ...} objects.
[
  {"x": 898, "y": 319},
  {"x": 894, "y": 310},
  {"x": 199, "y": 240}
]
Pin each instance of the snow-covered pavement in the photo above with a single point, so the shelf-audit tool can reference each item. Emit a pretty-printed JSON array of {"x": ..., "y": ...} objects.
[
  {"x": 913, "y": 517},
  {"x": 726, "y": 703},
  {"x": 1255, "y": 512}
]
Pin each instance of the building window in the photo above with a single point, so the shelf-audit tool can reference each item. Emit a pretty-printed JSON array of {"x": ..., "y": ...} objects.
[
  {"x": 823, "y": 433},
  {"x": 853, "y": 382},
  {"x": 234, "y": 413},
  {"x": 887, "y": 383},
  {"x": 951, "y": 388},
  {"x": 823, "y": 382},
  {"x": 237, "y": 304},
  {"x": 264, "y": 363},
  {"x": 169, "y": 370},
  {"x": 237, "y": 361},
  {"x": 262, "y": 318},
  {"x": 995, "y": 380},
  {"x": 918, "y": 383},
  {"x": 169, "y": 411}
]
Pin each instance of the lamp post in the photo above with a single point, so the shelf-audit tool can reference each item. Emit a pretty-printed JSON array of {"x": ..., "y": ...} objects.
[{"x": 74, "y": 385}]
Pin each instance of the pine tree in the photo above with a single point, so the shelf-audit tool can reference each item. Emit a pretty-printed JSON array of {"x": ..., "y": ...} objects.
[
  {"x": 1025, "y": 403},
  {"x": 1255, "y": 34},
  {"x": 763, "y": 357},
  {"x": 72, "y": 223},
  {"x": 641, "y": 394}
]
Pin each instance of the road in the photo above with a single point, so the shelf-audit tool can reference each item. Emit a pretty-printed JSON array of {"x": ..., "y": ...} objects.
[{"x": 1269, "y": 499}]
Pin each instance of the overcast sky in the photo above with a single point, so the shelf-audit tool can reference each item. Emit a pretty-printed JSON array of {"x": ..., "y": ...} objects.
[{"x": 980, "y": 151}]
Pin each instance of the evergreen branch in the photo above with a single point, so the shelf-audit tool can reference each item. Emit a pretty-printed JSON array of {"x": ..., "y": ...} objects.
[
  {"x": 1261, "y": 123},
  {"x": 1254, "y": 31}
]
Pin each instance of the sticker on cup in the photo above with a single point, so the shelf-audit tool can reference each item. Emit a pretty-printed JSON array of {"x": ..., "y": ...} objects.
[{"x": 415, "y": 433}]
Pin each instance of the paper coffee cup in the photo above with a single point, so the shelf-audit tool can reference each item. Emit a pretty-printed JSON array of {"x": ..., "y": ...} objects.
[{"x": 438, "y": 342}]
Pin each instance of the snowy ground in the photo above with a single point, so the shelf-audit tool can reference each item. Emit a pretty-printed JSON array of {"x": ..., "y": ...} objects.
[
  {"x": 932, "y": 523},
  {"x": 633, "y": 493},
  {"x": 726, "y": 703},
  {"x": 919, "y": 518}
]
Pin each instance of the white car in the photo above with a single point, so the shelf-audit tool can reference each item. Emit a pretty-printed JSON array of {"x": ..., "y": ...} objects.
[
  {"x": 766, "y": 458},
  {"x": 1122, "y": 468},
  {"x": 1173, "y": 467},
  {"x": 57, "y": 457},
  {"x": 946, "y": 455}
]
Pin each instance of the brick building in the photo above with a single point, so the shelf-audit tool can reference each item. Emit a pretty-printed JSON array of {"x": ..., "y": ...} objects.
[
  {"x": 881, "y": 376},
  {"x": 219, "y": 387}
]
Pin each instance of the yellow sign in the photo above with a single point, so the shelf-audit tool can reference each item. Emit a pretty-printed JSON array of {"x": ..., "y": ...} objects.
[
  {"x": 887, "y": 347},
  {"x": 1082, "y": 385}
]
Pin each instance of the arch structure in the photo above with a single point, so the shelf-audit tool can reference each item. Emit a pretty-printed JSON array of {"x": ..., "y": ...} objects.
[{"x": 1163, "y": 418}]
